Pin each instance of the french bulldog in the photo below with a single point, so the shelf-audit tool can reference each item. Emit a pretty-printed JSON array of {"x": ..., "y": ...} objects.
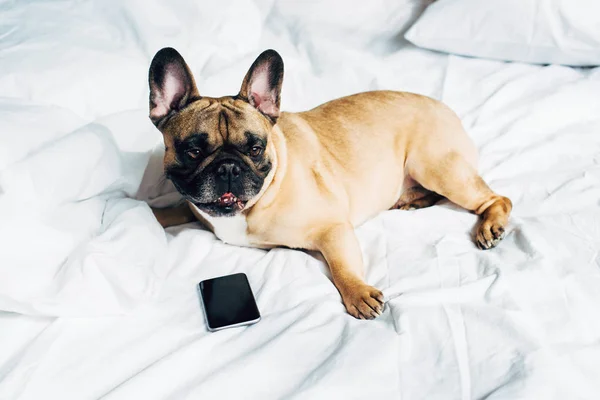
[{"x": 260, "y": 177}]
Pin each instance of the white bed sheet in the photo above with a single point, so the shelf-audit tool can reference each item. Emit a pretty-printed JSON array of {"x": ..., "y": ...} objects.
[{"x": 98, "y": 301}]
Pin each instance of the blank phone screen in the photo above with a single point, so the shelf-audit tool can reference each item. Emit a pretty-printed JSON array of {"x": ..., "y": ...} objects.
[{"x": 228, "y": 300}]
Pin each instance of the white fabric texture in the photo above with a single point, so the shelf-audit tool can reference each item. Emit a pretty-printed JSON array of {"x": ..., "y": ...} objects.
[
  {"x": 98, "y": 301},
  {"x": 534, "y": 31}
]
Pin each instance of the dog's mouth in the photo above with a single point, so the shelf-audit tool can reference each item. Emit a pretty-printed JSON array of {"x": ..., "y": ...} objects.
[
  {"x": 229, "y": 200},
  {"x": 228, "y": 203}
]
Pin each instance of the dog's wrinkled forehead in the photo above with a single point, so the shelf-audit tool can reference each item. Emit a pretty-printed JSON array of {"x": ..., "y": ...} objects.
[{"x": 223, "y": 120}]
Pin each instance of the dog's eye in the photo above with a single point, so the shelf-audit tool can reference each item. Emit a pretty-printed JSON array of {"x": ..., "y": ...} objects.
[
  {"x": 193, "y": 153},
  {"x": 256, "y": 151}
]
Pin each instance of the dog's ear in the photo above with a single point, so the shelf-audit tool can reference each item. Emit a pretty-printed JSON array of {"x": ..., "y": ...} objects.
[
  {"x": 172, "y": 85},
  {"x": 262, "y": 84}
]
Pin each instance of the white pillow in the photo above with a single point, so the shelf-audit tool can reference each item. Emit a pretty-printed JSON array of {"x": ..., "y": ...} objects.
[{"x": 534, "y": 31}]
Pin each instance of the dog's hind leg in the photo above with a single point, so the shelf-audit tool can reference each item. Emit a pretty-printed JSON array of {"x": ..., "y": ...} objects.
[
  {"x": 453, "y": 177},
  {"x": 416, "y": 197}
]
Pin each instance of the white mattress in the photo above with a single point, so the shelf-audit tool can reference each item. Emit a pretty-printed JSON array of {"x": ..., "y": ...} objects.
[{"x": 98, "y": 301}]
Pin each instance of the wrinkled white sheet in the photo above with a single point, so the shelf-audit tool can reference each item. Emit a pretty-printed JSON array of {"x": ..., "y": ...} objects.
[{"x": 98, "y": 301}]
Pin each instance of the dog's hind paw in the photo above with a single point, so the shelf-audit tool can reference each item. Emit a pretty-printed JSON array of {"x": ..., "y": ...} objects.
[{"x": 489, "y": 235}]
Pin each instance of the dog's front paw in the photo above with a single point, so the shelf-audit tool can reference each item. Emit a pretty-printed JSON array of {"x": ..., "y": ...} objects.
[{"x": 363, "y": 301}]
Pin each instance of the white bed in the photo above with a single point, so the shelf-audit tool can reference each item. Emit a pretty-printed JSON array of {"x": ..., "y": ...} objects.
[{"x": 97, "y": 301}]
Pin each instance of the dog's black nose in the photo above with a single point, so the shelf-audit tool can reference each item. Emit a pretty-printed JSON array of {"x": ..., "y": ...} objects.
[{"x": 228, "y": 171}]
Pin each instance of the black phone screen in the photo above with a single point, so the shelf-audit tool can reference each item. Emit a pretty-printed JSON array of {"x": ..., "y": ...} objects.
[{"x": 228, "y": 301}]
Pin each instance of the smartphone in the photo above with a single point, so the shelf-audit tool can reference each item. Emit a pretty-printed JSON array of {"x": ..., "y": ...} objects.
[{"x": 228, "y": 302}]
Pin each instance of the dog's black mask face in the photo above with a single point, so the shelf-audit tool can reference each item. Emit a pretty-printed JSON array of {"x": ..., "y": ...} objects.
[
  {"x": 217, "y": 150},
  {"x": 219, "y": 172}
]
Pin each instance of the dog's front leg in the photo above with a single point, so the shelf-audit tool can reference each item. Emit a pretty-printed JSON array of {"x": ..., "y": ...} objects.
[
  {"x": 171, "y": 216},
  {"x": 339, "y": 246}
]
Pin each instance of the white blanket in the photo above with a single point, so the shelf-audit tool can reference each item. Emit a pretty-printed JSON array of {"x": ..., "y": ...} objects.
[{"x": 97, "y": 300}]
